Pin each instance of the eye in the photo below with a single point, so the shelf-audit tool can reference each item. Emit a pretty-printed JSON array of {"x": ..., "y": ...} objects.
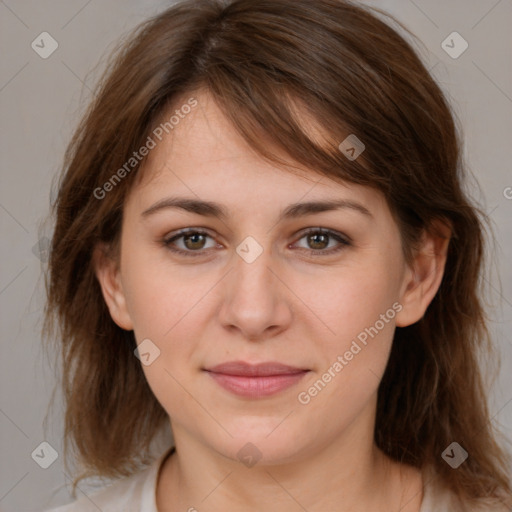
[
  {"x": 318, "y": 240},
  {"x": 193, "y": 241}
]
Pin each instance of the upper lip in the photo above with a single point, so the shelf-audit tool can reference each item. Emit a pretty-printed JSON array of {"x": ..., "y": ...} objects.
[{"x": 241, "y": 368}]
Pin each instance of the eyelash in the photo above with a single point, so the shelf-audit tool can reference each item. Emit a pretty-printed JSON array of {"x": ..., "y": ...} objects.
[{"x": 344, "y": 241}]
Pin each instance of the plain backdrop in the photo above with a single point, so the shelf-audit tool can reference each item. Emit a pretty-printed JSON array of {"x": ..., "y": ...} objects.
[{"x": 41, "y": 101}]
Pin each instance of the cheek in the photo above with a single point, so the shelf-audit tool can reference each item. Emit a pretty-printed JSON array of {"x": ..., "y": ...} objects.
[
  {"x": 158, "y": 297},
  {"x": 354, "y": 300},
  {"x": 171, "y": 310},
  {"x": 357, "y": 310},
  {"x": 168, "y": 312}
]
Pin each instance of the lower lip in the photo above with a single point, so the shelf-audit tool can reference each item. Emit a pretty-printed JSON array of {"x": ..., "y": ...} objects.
[{"x": 256, "y": 387}]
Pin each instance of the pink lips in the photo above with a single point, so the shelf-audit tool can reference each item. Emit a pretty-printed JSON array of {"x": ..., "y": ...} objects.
[{"x": 254, "y": 381}]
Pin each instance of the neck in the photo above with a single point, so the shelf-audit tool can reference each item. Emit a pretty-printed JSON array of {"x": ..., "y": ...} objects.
[{"x": 350, "y": 474}]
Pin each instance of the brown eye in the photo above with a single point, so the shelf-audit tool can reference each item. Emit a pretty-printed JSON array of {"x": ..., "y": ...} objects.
[
  {"x": 191, "y": 242},
  {"x": 194, "y": 241},
  {"x": 320, "y": 241}
]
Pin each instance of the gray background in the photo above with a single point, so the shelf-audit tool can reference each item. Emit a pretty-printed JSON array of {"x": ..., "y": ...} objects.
[{"x": 41, "y": 101}]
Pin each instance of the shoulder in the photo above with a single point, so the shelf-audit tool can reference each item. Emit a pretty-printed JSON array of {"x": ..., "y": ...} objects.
[
  {"x": 124, "y": 494},
  {"x": 135, "y": 493},
  {"x": 439, "y": 498}
]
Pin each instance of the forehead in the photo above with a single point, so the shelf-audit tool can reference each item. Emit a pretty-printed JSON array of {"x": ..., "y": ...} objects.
[{"x": 204, "y": 155}]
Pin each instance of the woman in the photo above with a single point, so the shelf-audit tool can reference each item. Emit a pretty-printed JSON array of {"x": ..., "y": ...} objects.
[{"x": 262, "y": 242}]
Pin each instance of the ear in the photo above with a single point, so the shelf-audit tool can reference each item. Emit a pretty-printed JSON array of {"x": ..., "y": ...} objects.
[
  {"x": 108, "y": 274},
  {"x": 424, "y": 275}
]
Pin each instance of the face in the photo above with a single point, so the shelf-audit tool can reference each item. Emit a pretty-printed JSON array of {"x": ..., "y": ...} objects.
[{"x": 315, "y": 294}]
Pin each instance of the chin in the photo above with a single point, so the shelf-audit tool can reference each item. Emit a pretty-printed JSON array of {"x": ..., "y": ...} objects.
[{"x": 261, "y": 444}]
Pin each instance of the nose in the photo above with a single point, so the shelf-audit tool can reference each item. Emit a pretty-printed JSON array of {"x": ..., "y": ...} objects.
[{"x": 256, "y": 301}]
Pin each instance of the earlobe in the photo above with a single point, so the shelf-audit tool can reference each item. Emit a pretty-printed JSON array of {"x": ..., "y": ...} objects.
[
  {"x": 108, "y": 275},
  {"x": 423, "y": 277}
]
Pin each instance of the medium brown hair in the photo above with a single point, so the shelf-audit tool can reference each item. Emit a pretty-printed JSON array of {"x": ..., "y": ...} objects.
[{"x": 268, "y": 64}]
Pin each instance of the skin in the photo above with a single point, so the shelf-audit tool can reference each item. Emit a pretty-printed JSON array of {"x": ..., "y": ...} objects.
[{"x": 288, "y": 305}]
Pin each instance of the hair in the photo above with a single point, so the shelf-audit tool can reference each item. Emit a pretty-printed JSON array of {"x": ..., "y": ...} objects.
[{"x": 270, "y": 65}]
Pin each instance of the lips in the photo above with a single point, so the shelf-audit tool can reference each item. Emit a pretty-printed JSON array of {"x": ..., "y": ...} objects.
[
  {"x": 244, "y": 369},
  {"x": 255, "y": 380}
]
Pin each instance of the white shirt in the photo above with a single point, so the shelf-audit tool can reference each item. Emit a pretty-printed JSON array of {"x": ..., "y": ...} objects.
[{"x": 137, "y": 493}]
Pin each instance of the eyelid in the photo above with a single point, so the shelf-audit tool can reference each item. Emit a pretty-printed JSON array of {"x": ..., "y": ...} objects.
[{"x": 325, "y": 231}]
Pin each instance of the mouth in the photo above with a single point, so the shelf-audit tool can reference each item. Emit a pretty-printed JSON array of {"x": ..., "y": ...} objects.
[{"x": 255, "y": 380}]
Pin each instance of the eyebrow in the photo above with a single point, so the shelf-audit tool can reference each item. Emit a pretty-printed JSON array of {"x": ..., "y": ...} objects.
[{"x": 212, "y": 209}]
